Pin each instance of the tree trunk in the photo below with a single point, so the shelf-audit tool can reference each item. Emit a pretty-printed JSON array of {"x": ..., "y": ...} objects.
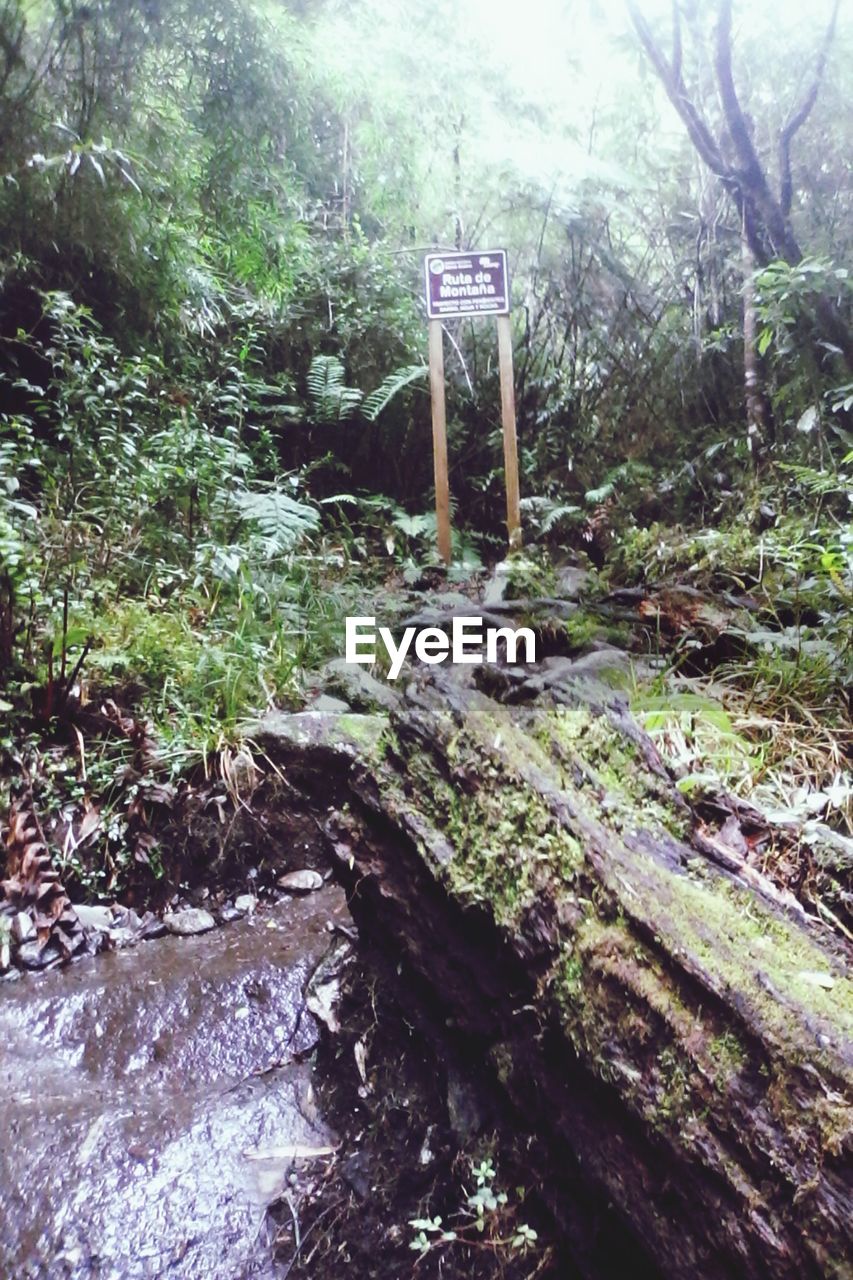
[
  {"x": 673, "y": 1031},
  {"x": 759, "y": 414}
]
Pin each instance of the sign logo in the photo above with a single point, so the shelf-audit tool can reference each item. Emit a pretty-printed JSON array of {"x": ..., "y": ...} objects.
[{"x": 466, "y": 284}]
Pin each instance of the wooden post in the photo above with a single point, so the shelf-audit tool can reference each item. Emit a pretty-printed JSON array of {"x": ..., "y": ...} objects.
[
  {"x": 513, "y": 510},
  {"x": 439, "y": 439}
]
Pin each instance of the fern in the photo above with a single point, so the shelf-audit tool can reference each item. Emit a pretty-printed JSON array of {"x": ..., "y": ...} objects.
[
  {"x": 389, "y": 388},
  {"x": 415, "y": 526},
  {"x": 281, "y": 520},
  {"x": 331, "y": 400},
  {"x": 601, "y": 494},
  {"x": 546, "y": 514}
]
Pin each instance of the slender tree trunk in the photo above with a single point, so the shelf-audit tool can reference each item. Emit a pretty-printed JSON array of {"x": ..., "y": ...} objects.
[{"x": 759, "y": 414}]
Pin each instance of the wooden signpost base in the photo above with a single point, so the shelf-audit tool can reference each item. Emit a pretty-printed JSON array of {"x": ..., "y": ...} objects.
[
  {"x": 439, "y": 439},
  {"x": 513, "y": 509}
]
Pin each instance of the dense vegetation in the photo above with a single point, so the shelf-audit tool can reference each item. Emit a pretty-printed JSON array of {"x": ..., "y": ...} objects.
[{"x": 214, "y": 428}]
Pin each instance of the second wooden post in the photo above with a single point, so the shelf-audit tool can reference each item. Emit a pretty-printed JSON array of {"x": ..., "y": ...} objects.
[
  {"x": 513, "y": 504},
  {"x": 439, "y": 439}
]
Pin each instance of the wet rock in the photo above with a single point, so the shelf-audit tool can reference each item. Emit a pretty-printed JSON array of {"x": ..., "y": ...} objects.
[
  {"x": 189, "y": 921},
  {"x": 32, "y": 955},
  {"x": 95, "y": 919},
  {"x": 150, "y": 926},
  {"x": 23, "y": 929},
  {"x": 323, "y": 993},
  {"x": 304, "y": 881},
  {"x": 228, "y": 913},
  {"x": 245, "y": 903},
  {"x": 133, "y": 1086}
]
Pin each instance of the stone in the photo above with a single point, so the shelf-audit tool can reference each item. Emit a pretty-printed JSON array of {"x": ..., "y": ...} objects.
[
  {"x": 228, "y": 913},
  {"x": 350, "y": 734},
  {"x": 95, "y": 919},
  {"x": 23, "y": 929},
  {"x": 245, "y": 903},
  {"x": 32, "y": 955},
  {"x": 189, "y": 921},
  {"x": 325, "y": 702},
  {"x": 354, "y": 683},
  {"x": 572, "y": 582},
  {"x": 304, "y": 881}
]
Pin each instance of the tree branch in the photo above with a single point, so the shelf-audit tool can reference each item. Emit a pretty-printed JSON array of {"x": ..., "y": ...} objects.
[
  {"x": 732, "y": 110},
  {"x": 670, "y": 77},
  {"x": 801, "y": 115}
]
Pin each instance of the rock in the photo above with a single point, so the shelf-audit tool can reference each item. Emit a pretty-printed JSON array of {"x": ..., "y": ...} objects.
[
  {"x": 32, "y": 955},
  {"x": 572, "y": 582},
  {"x": 325, "y": 702},
  {"x": 228, "y": 913},
  {"x": 189, "y": 921},
  {"x": 464, "y": 1110},
  {"x": 245, "y": 903},
  {"x": 354, "y": 683},
  {"x": 304, "y": 881},
  {"x": 496, "y": 586},
  {"x": 150, "y": 926},
  {"x": 355, "y": 1171},
  {"x": 354, "y": 735},
  {"x": 95, "y": 919},
  {"x": 122, "y": 938},
  {"x": 23, "y": 929},
  {"x": 607, "y": 665},
  {"x": 126, "y": 918}
]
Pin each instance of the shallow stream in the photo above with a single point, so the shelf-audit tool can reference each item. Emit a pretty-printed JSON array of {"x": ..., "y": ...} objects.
[{"x": 152, "y": 1100}]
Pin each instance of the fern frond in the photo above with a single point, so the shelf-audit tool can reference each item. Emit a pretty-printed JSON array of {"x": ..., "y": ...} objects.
[
  {"x": 280, "y": 519},
  {"x": 331, "y": 401},
  {"x": 389, "y": 388},
  {"x": 546, "y": 513}
]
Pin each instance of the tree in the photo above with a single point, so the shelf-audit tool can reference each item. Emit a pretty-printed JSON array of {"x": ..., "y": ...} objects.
[{"x": 733, "y": 155}]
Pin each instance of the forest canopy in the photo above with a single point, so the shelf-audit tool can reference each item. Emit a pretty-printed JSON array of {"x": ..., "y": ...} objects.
[{"x": 215, "y": 410}]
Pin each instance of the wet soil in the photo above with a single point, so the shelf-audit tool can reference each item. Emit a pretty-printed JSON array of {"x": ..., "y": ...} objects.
[{"x": 413, "y": 1120}]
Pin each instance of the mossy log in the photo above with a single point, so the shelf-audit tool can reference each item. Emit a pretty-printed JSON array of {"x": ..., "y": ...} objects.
[{"x": 675, "y": 1032}]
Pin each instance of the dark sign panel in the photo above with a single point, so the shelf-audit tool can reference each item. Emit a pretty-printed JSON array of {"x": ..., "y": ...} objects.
[{"x": 466, "y": 284}]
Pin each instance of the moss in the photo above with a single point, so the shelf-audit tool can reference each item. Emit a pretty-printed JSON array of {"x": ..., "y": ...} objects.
[
  {"x": 501, "y": 1057},
  {"x": 521, "y": 809},
  {"x": 508, "y": 845},
  {"x": 633, "y": 797},
  {"x": 365, "y": 731},
  {"x": 745, "y": 948},
  {"x": 727, "y": 1053}
]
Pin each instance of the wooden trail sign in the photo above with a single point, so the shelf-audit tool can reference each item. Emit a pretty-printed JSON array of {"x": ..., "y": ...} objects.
[{"x": 458, "y": 285}]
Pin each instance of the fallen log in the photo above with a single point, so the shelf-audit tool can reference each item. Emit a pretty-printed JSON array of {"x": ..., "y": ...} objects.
[
  {"x": 678, "y": 1037},
  {"x": 683, "y": 1037}
]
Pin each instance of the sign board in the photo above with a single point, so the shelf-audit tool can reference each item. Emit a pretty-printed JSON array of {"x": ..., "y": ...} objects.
[
  {"x": 466, "y": 284},
  {"x": 470, "y": 284}
]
